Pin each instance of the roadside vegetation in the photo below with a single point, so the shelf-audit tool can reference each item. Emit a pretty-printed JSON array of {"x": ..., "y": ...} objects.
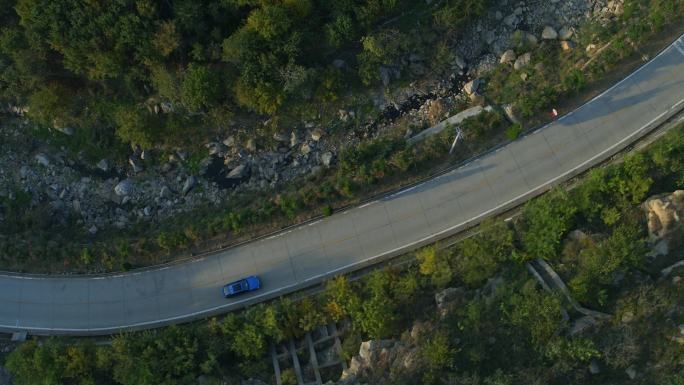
[{"x": 504, "y": 328}]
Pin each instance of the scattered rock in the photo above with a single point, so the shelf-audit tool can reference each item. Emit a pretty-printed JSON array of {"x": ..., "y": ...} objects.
[
  {"x": 549, "y": 33},
  {"x": 24, "y": 172},
  {"x": 511, "y": 20},
  {"x": 327, "y": 158},
  {"x": 43, "y": 159},
  {"x": 216, "y": 148},
  {"x": 472, "y": 86},
  {"x": 594, "y": 367},
  {"x": 136, "y": 165},
  {"x": 280, "y": 137},
  {"x": 627, "y": 317},
  {"x": 565, "y": 33},
  {"x": 251, "y": 145},
  {"x": 522, "y": 61},
  {"x": 508, "y": 57},
  {"x": 104, "y": 165},
  {"x": 305, "y": 149},
  {"x": 566, "y": 45},
  {"x": 229, "y": 141},
  {"x": 190, "y": 182},
  {"x": 165, "y": 192},
  {"x": 317, "y": 134},
  {"x": 294, "y": 139},
  {"x": 238, "y": 172},
  {"x": 459, "y": 62},
  {"x": 510, "y": 114},
  {"x": 123, "y": 188},
  {"x": 68, "y": 131},
  {"x": 339, "y": 64},
  {"x": 166, "y": 107},
  {"x": 631, "y": 372}
]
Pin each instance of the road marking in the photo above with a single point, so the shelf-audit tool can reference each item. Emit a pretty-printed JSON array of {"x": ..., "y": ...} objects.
[{"x": 676, "y": 45}]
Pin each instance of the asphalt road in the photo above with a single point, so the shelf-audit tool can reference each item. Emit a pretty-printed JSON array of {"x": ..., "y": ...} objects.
[{"x": 360, "y": 236}]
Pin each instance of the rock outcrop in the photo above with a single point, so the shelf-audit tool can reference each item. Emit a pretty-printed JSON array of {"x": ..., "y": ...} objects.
[
  {"x": 664, "y": 213},
  {"x": 377, "y": 358}
]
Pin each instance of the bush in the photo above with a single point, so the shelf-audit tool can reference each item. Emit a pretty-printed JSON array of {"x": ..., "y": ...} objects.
[
  {"x": 546, "y": 220},
  {"x": 434, "y": 264},
  {"x": 574, "y": 81},
  {"x": 513, "y": 131},
  {"x": 480, "y": 256}
]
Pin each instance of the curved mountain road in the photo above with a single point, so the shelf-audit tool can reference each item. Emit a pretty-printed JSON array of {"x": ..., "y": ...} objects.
[{"x": 89, "y": 305}]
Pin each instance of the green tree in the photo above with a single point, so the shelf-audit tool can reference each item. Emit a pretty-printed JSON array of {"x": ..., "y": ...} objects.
[
  {"x": 480, "y": 256},
  {"x": 535, "y": 312},
  {"x": 137, "y": 127},
  {"x": 546, "y": 220},
  {"x": 201, "y": 88},
  {"x": 435, "y": 264}
]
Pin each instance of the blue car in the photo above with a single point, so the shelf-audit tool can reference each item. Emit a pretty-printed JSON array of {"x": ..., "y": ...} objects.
[{"x": 244, "y": 285}]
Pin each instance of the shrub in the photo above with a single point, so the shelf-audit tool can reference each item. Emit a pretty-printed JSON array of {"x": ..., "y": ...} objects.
[
  {"x": 546, "y": 220},
  {"x": 513, "y": 131}
]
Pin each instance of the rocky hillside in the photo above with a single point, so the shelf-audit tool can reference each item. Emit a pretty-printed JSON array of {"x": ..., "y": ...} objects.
[{"x": 153, "y": 186}]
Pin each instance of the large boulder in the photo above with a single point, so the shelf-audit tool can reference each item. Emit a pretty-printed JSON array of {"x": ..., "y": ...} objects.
[
  {"x": 380, "y": 357},
  {"x": 663, "y": 214}
]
